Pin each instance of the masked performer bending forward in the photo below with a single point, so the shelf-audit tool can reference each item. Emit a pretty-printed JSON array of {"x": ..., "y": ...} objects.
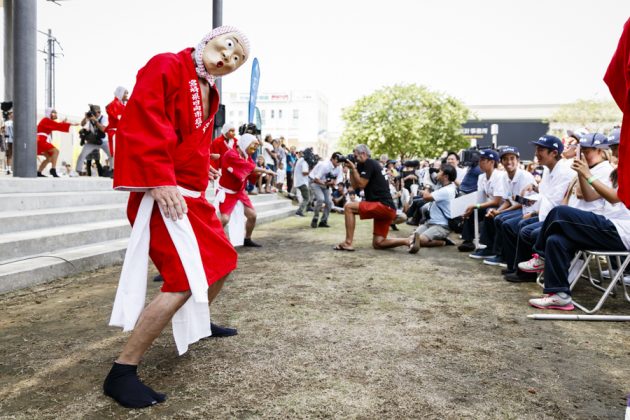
[
  {"x": 237, "y": 167},
  {"x": 163, "y": 158}
]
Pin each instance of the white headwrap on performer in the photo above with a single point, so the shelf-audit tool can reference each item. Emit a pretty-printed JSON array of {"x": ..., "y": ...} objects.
[
  {"x": 120, "y": 92},
  {"x": 227, "y": 127},
  {"x": 245, "y": 141},
  {"x": 201, "y": 69},
  {"x": 48, "y": 112}
]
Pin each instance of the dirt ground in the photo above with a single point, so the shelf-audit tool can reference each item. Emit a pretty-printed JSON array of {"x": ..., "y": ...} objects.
[{"x": 369, "y": 334}]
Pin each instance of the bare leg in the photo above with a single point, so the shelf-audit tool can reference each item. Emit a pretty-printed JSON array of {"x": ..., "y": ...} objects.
[
  {"x": 250, "y": 224},
  {"x": 44, "y": 163},
  {"x": 215, "y": 288},
  {"x": 379, "y": 242},
  {"x": 151, "y": 323},
  {"x": 427, "y": 243},
  {"x": 350, "y": 210},
  {"x": 54, "y": 157},
  {"x": 225, "y": 219}
]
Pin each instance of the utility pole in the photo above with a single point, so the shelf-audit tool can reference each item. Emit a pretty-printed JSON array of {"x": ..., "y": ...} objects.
[
  {"x": 217, "y": 20},
  {"x": 49, "y": 60},
  {"x": 25, "y": 88},
  {"x": 8, "y": 50}
]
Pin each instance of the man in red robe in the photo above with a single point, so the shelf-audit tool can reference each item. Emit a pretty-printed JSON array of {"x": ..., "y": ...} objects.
[
  {"x": 238, "y": 167},
  {"x": 163, "y": 158},
  {"x": 618, "y": 80},
  {"x": 114, "y": 113},
  {"x": 45, "y": 148},
  {"x": 226, "y": 141}
]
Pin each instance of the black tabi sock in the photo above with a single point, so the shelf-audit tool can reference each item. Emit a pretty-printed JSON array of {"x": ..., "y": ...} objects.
[{"x": 124, "y": 386}]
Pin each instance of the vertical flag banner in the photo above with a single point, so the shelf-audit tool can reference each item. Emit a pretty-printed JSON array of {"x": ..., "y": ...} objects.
[
  {"x": 253, "y": 90},
  {"x": 258, "y": 121}
]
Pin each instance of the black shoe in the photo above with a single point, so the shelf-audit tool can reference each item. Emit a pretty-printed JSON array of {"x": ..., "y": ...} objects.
[
  {"x": 250, "y": 243},
  {"x": 314, "y": 223},
  {"x": 219, "y": 332},
  {"x": 323, "y": 224},
  {"x": 299, "y": 213},
  {"x": 411, "y": 222},
  {"x": 466, "y": 246},
  {"x": 41, "y": 175},
  {"x": 520, "y": 278},
  {"x": 393, "y": 227},
  {"x": 53, "y": 172},
  {"x": 448, "y": 242},
  {"x": 123, "y": 385},
  {"x": 507, "y": 271},
  {"x": 158, "y": 278}
]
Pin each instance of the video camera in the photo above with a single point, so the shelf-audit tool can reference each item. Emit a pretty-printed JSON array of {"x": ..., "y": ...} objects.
[
  {"x": 249, "y": 128},
  {"x": 310, "y": 158},
  {"x": 469, "y": 157}
]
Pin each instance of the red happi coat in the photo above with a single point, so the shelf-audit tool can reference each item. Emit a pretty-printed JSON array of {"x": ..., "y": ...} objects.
[
  {"x": 618, "y": 80},
  {"x": 44, "y": 130},
  {"x": 114, "y": 113},
  {"x": 163, "y": 141},
  {"x": 235, "y": 171},
  {"x": 219, "y": 146}
]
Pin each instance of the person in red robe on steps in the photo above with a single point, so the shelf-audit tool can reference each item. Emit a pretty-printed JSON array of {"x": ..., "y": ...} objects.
[
  {"x": 224, "y": 142},
  {"x": 114, "y": 113},
  {"x": 237, "y": 167},
  {"x": 45, "y": 148},
  {"x": 162, "y": 157}
]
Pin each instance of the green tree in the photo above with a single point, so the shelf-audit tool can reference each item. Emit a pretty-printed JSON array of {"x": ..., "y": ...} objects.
[
  {"x": 406, "y": 121},
  {"x": 596, "y": 115}
]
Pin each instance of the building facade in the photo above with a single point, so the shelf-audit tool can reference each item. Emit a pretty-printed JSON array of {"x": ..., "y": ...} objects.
[{"x": 301, "y": 117}]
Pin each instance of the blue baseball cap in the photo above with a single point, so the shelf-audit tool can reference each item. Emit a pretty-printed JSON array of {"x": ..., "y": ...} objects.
[
  {"x": 509, "y": 150},
  {"x": 489, "y": 154},
  {"x": 594, "y": 141},
  {"x": 549, "y": 142},
  {"x": 613, "y": 137}
]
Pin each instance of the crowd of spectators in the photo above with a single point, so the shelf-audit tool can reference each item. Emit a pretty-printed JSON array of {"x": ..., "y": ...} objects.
[{"x": 535, "y": 208}]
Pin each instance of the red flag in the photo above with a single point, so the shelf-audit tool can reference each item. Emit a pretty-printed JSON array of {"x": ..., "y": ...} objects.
[{"x": 618, "y": 80}]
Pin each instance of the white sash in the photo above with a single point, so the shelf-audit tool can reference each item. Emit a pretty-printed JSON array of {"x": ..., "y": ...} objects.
[
  {"x": 236, "y": 225},
  {"x": 192, "y": 321}
]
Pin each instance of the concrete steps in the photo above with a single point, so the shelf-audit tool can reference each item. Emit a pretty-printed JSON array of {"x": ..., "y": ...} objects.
[{"x": 51, "y": 228}]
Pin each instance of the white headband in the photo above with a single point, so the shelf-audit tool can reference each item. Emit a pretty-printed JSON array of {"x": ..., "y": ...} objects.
[{"x": 246, "y": 140}]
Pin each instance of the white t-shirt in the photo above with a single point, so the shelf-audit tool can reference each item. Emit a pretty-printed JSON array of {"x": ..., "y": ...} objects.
[
  {"x": 267, "y": 149},
  {"x": 601, "y": 172},
  {"x": 517, "y": 184},
  {"x": 301, "y": 166},
  {"x": 487, "y": 189},
  {"x": 8, "y": 130},
  {"x": 461, "y": 172},
  {"x": 619, "y": 215},
  {"x": 441, "y": 205},
  {"x": 553, "y": 187},
  {"x": 323, "y": 168}
]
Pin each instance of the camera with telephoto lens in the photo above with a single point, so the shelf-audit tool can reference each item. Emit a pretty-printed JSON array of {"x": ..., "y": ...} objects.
[
  {"x": 524, "y": 201},
  {"x": 348, "y": 158},
  {"x": 249, "y": 128},
  {"x": 90, "y": 114}
]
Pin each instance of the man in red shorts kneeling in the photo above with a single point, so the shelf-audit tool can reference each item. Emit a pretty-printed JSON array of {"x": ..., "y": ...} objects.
[{"x": 367, "y": 174}]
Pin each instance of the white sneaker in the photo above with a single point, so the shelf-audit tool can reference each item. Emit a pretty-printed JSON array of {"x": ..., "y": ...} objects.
[
  {"x": 552, "y": 301},
  {"x": 535, "y": 265}
]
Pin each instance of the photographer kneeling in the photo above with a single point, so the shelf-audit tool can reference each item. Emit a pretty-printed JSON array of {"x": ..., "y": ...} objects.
[
  {"x": 435, "y": 231},
  {"x": 367, "y": 174}
]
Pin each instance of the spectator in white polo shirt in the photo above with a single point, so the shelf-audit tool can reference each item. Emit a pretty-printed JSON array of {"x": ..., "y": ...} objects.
[
  {"x": 491, "y": 190},
  {"x": 324, "y": 175},
  {"x": 517, "y": 180}
]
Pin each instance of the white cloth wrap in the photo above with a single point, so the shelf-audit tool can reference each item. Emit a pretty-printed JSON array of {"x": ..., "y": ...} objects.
[
  {"x": 192, "y": 321},
  {"x": 236, "y": 225}
]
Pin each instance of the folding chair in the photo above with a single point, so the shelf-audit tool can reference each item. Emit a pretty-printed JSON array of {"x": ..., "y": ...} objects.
[{"x": 580, "y": 265}]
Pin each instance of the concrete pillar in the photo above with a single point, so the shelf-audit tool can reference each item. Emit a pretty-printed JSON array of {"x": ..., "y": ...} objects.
[
  {"x": 25, "y": 88},
  {"x": 8, "y": 50}
]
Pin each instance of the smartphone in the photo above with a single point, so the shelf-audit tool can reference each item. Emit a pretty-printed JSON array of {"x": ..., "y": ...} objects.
[{"x": 578, "y": 152}]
